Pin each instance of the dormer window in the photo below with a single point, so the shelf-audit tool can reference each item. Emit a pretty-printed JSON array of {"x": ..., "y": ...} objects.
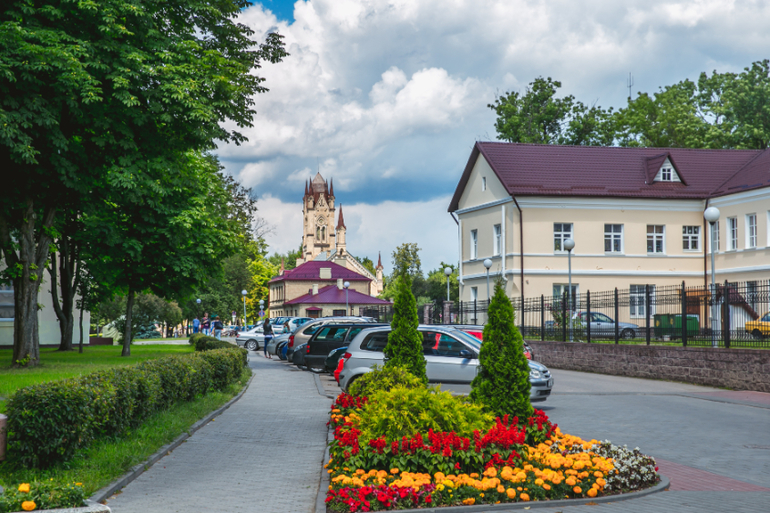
[{"x": 665, "y": 174}]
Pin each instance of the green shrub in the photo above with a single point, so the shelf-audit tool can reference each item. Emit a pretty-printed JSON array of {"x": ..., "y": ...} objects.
[
  {"x": 502, "y": 382},
  {"x": 207, "y": 343},
  {"x": 194, "y": 337},
  {"x": 49, "y": 422},
  {"x": 401, "y": 411},
  {"x": 404, "y": 348},
  {"x": 384, "y": 378},
  {"x": 45, "y": 495}
]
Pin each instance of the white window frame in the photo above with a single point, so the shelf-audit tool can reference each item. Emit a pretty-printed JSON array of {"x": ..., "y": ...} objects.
[
  {"x": 732, "y": 224},
  {"x": 613, "y": 236},
  {"x": 666, "y": 174},
  {"x": 561, "y": 235},
  {"x": 474, "y": 241},
  {"x": 715, "y": 239},
  {"x": 483, "y": 183},
  {"x": 635, "y": 295},
  {"x": 656, "y": 236},
  {"x": 497, "y": 232},
  {"x": 689, "y": 238},
  {"x": 474, "y": 293},
  {"x": 751, "y": 231}
]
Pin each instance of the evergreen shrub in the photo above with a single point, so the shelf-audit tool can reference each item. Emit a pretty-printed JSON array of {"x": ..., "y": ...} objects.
[
  {"x": 206, "y": 343},
  {"x": 502, "y": 383},
  {"x": 49, "y": 422},
  {"x": 384, "y": 378},
  {"x": 194, "y": 337},
  {"x": 404, "y": 348}
]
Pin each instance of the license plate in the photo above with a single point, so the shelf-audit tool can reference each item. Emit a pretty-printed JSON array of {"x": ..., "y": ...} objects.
[{"x": 550, "y": 383}]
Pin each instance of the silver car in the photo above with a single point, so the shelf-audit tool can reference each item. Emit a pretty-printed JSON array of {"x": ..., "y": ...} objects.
[
  {"x": 303, "y": 334},
  {"x": 451, "y": 357}
]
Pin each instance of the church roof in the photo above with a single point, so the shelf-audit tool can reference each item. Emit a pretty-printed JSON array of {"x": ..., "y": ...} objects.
[
  {"x": 341, "y": 222},
  {"x": 311, "y": 271},
  {"x": 333, "y": 295},
  {"x": 318, "y": 184}
]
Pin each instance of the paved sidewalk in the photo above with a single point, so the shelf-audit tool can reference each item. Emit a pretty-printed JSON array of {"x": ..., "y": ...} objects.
[{"x": 263, "y": 454}]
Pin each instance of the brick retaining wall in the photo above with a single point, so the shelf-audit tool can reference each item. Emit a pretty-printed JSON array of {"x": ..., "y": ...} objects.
[{"x": 738, "y": 369}]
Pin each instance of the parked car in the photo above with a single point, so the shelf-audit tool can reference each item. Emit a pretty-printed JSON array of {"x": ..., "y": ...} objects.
[
  {"x": 451, "y": 356},
  {"x": 280, "y": 350},
  {"x": 330, "y": 336},
  {"x": 298, "y": 356},
  {"x": 272, "y": 346},
  {"x": 759, "y": 328},
  {"x": 478, "y": 332},
  {"x": 333, "y": 358},
  {"x": 251, "y": 340},
  {"x": 308, "y": 329},
  {"x": 604, "y": 327}
]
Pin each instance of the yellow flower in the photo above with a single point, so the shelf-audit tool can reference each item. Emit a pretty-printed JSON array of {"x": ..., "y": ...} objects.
[
  {"x": 524, "y": 497},
  {"x": 28, "y": 505},
  {"x": 24, "y": 487}
]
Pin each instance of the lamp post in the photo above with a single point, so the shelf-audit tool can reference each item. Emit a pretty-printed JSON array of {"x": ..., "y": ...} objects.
[
  {"x": 198, "y": 313},
  {"x": 261, "y": 307},
  {"x": 347, "y": 308},
  {"x": 244, "y": 292},
  {"x": 569, "y": 245},
  {"x": 488, "y": 264},
  {"x": 448, "y": 273},
  {"x": 712, "y": 216}
]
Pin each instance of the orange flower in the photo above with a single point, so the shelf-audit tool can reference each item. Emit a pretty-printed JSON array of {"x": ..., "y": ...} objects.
[
  {"x": 469, "y": 501},
  {"x": 546, "y": 487},
  {"x": 577, "y": 490},
  {"x": 500, "y": 489},
  {"x": 511, "y": 493},
  {"x": 24, "y": 487},
  {"x": 28, "y": 505},
  {"x": 571, "y": 481},
  {"x": 524, "y": 497},
  {"x": 394, "y": 471},
  {"x": 592, "y": 492},
  {"x": 598, "y": 474}
]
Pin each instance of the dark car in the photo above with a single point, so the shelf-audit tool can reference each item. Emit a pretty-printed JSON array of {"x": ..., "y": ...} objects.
[
  {"x": 298, "y": 356},
  {"x": 329, "y": 337},
  {"x": 333, "y": 358}
]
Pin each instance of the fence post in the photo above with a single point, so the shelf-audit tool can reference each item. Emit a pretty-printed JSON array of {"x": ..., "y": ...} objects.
[
  {"x": 521, "y": 317},
  {"x": 647, "y": 301},
  {"x": 726, "y": 315},
  {"x": 617, "y": 314},
  {"x": 475, "y": 312},
  {"x": 564, "y": 317},
  {"x": 542, "y": 317},
  {"x": 684, "y": 315},
  {"x": 588, "y": 316}
]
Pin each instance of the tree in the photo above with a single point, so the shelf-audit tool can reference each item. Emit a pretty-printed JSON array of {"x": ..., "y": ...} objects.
[
  {"x": 437, "y": 284},
  {"x": 87, "y": 90},
  {"x": 502, "y": 382},
  {"x": 289, "y": 259},
  {"x": 261, "y": 271},
  {"x": 539, "y": 117},
  {"x": 747, "y": 106},
  {"x": 404, "y": 347},
  {"x": 368, "y": 264}
]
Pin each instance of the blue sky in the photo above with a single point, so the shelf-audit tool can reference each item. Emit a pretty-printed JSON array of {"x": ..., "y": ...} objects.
[{"x": 387, "y": 97}]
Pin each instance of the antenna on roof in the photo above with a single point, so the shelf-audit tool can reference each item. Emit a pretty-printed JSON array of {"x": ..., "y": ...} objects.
[{"x": 630, "y": 84}]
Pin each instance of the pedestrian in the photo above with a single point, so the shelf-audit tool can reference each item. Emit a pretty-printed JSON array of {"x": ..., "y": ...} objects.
[
  {"x": 218, "y": 327},
  {"x": 206, "y": 324},
  {"x": 267, "y": 330},
  {"x": 196, "y": 325}
]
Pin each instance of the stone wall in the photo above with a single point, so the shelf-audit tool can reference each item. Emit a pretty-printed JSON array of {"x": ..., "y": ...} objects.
[{"x": 738, "y": 369}]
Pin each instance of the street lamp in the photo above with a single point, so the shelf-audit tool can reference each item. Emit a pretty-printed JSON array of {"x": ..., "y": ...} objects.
[
  {"x": 244, "y": 293},
  {"x": 569, "y": 245},
  {"x": 712, "y": 216},
  {"x": 488, "y": 264},
  {"x": 261, "y": 307},
  {"x": 347, "y": 308},
  {"x": 448, "y": 273}
]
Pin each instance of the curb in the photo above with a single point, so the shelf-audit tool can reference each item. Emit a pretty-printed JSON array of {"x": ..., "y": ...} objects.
[
  {"x": 139, "y": 469},
  {"x": 91, "y": 508},
  {"x": 323, "y": 487}
]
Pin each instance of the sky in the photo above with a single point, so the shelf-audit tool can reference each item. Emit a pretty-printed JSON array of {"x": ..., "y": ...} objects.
[{"x": 388, "y": 97}]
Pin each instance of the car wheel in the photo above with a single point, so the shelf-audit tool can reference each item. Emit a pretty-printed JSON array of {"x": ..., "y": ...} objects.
[
  {"x": 252, "y": 345},
  {"x": 757, "y": 334},
  {"x": 628, "y": 334}
]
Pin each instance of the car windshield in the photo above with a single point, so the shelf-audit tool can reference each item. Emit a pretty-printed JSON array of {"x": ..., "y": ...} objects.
[{"x": 469, "y": 339}]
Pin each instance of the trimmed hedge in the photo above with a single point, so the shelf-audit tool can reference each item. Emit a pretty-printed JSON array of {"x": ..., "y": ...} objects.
[
  {"x": 207, "y": 343},
  {"x": 50, "y": 422}
]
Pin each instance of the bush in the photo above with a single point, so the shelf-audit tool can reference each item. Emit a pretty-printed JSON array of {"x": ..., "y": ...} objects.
[
  {"x": 384, "y": 378},
  {"x": 45, "y": 495},
  {"x": 401, "y": 411},
  {"x": 194, "y": 337},
  {"x": 49, "y": 422},
  {"x": 207, "y": 343},
  {"x": 404, "y": 348},
  {"x": 502, "y": 383}
]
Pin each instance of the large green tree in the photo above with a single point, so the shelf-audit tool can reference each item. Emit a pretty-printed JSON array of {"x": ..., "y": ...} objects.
[
  {"x": 404, "y": 347},
  {"x": 112, "y": 87}
]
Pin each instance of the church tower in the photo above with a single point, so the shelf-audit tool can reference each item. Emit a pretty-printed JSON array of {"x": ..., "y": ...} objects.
[
  {"x": 318, "y": 234},
  {"x": 341, "y": 229}
]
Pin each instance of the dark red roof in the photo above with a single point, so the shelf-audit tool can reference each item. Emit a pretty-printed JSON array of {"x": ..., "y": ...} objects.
[
  {"x": 551, "y": 170},
  {"x": 331, "y": 295},
  {"x": 311, "y": 271},
  {"x": 341, "y": 222}
]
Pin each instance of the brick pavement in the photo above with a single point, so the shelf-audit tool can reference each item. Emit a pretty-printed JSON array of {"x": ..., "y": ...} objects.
[{"x": 263, "y": 454}]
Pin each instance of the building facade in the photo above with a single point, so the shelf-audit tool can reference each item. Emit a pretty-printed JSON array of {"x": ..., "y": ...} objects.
[{"x": 635, "y": 214}]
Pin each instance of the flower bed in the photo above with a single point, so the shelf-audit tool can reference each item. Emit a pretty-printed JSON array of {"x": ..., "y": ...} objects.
[
  {"x": 512, "y": 461},
  {"x": 41, "y": 495}
]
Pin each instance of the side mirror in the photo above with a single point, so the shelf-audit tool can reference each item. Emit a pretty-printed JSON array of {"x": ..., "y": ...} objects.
[{"x": 464, "y": 353}]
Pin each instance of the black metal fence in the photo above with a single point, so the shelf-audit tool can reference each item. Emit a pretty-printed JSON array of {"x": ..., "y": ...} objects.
[{"x": 735, "y": 314}]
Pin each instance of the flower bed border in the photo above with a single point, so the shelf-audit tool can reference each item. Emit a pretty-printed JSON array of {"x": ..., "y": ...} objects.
[{"x": 325, "y": 481}]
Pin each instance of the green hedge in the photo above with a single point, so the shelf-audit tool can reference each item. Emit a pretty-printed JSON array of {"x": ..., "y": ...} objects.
[
  {"x": 207, "y": 343},
  {"x": 50, "y": 422}
]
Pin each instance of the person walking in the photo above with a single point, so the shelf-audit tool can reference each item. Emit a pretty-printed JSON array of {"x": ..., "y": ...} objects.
[
  {"x": 218, "y": 327},
  {"x": 206, "y": 324},
  {"x": 267, "y": 329},
  {"x": 196, "y": 325}
]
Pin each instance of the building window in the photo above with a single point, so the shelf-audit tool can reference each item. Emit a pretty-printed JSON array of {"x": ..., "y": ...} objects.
[
  {"x": 7, "y": 306},
  {"x": 474, "y": 244},
  {"x": 498, "y": 237},
  {"x": 751, "y": 230},
  {"x": 613, "y": 238},
  {"x": 338, "y": 313},
  {"x": 665, "y": 174},
  {"x": 690, "y": 238},
  {"x": 558, "y": 294},
  {"x": 655, "y": 238},
  {"x": 474, "y": 293},
  {"x": 715, "y": 237},
  {"x": 732, "y": 223},
  {"x": 483, "y": 183},
  {"x": 561, "y": 232},
  {"x": 637, "y": 301}
]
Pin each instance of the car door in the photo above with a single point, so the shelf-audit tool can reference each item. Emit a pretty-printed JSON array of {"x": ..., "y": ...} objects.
[
  {"x": 448, "y": 360},
  {"x": 602, "y": 325}
]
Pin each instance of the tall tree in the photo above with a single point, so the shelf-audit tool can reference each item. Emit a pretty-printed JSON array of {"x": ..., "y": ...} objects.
[
  {"x": 747, "y": 106},
  {"x": 404, "y": 347}
]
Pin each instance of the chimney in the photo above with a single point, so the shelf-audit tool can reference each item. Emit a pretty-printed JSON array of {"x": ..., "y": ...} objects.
[
  {"x": 315, "y": 289},
  {"x": 339, "y": 283}
]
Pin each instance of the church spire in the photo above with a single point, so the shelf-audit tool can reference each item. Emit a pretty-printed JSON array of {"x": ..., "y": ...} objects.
[
  {"x": 306, "y": 190},
  {"x": 379, "y": 261},
  {"x": 341, "y": 222},
  {"x": 331, "y": 191}
]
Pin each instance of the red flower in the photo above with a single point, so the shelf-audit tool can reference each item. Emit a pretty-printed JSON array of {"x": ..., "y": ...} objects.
[{"x": 457, "y": 465}]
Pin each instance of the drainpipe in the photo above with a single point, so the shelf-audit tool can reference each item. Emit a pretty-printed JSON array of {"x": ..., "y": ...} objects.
[
  {"x": 521, "y": 245},
  {"x": 705, "y": 253},
  {"x": 459, "y": 255},
  {"x": 502, "y": 243}
]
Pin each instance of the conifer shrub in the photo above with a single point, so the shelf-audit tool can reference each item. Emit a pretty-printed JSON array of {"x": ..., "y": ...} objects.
[
  {"x": 404, "y": 348},
  {"x": 502, "y": 383},
  {"x": 384, "y": 378}
]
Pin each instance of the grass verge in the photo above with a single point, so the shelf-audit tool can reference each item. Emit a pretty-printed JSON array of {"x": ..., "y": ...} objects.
[
  {"x": 107, "y": 459},
  {"x": 60, "y": 365}
]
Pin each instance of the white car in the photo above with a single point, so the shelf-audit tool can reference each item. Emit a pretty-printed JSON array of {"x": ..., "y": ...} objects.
[
  {"x": 252, "y": 339},
  {"x": 451, "y": 357}
]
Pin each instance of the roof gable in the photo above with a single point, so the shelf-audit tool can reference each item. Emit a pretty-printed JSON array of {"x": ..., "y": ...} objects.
[
  {"x": 331, "y": 294},
  {"x": 311, "y": 271},
  {"x": 657, "y": 164}
]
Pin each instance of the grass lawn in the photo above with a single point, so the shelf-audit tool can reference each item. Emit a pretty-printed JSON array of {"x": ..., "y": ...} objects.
[
  {"x": 58, "y": 365},
  {"x": 107, "y": 459}
]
